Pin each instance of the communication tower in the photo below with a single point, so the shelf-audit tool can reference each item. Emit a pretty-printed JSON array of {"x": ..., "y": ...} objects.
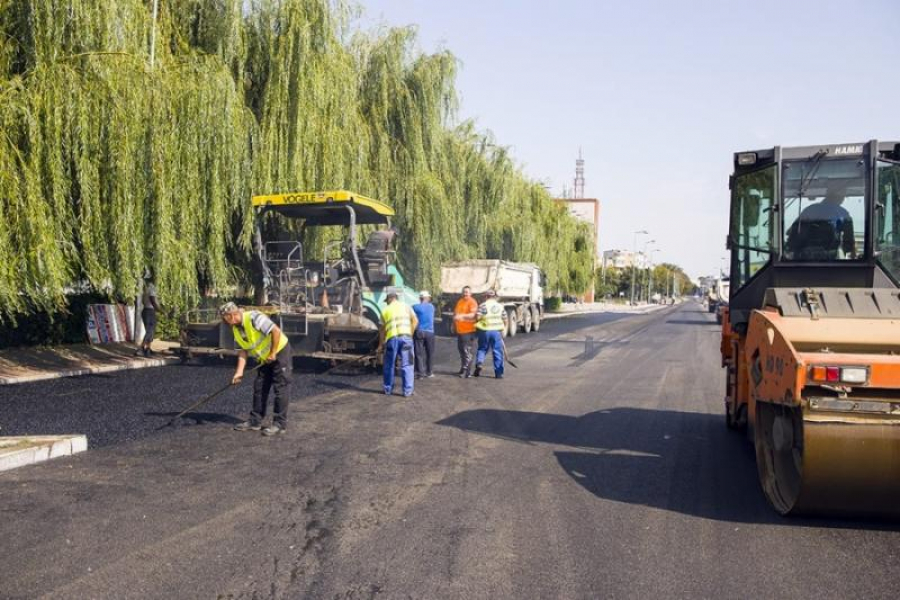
[{"x": 579, "y": 176}]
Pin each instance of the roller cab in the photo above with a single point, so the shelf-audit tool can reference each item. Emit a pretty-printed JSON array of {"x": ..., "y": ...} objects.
[{"x": 811, "y": 336}]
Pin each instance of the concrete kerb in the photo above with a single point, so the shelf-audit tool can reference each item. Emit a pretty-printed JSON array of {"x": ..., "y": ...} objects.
[
  {"x": 607, "y": 308},
  {"x": 19, "y": 451},
  {"x": 136, "y": 364}
]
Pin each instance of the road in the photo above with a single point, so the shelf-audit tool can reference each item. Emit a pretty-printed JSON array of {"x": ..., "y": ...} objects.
[{"x": 600, "y": 468}]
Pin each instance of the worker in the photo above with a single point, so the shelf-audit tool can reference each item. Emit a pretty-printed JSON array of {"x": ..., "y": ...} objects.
[
  {"x": 492, "y": 321},
  {"x": 424, "y": 335},
  {"x": 148, "y": 315},
  {"x": 823, "y": 229},
  {"x": 258, "y": 336},
  {"x": 398, "y": 321},
  {"x": 464, "y": 314}
]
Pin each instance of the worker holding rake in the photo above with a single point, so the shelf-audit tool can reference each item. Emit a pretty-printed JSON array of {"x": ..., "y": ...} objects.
[{"x": 257, "y": 335}]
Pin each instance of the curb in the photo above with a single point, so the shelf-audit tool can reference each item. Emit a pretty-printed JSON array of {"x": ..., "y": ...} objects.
[
  {"x": 648, "y": 310},
  {"x": 142, "y": 364},
  {"x": 19, "y": 451}
]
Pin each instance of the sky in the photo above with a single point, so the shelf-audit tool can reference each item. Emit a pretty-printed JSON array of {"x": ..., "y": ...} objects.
[{"x": 658, "y": 95}]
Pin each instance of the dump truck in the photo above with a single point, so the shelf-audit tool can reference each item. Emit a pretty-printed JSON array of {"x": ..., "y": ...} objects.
[
  {"x": 330, "y": 305},
  {"x": 519, "y": 288},
  {"x": 811, "y": 336}
]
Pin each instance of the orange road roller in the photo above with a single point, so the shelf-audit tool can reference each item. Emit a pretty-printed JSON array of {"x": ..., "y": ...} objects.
[{"x": 811, "y": 335}]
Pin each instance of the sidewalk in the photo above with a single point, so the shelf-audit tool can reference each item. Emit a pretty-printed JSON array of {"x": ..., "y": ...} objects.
[
  {"x": 23, "y": 365},
  {"x": 567, "y": 310}
]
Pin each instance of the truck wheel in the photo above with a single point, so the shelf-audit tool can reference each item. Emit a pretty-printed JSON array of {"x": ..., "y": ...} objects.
[
  {"x": 535, "y": 319},
  {"x": 513, "y": 326},
  {"x": 526, "y": 320}
]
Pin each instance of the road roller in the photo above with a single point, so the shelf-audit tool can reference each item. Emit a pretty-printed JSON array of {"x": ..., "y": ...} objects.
[{"x": 811, "y": 334}]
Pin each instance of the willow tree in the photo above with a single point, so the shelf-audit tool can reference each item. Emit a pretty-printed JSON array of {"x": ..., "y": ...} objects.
[{"x": 110, "y": 166}]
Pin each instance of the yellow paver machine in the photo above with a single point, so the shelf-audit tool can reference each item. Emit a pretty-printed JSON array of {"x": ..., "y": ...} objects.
[
  {"x": 811, "y": 336},
  {"x": 329, "y": 305}
]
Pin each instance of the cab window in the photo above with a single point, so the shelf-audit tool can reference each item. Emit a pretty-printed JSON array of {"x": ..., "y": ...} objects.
[
  {"x": 752, "y": 225},
  {"x": 887, "y": 218},
  {"x": 824, "y": 209}
]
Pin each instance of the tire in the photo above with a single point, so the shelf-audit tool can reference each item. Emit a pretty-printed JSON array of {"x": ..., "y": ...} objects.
[
  {"x": 526, "y": 320},
  {"x": 513, "y": 326},
  {"x": 535, "y": 319}
]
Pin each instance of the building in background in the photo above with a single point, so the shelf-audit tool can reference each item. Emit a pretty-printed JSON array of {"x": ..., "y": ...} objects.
[
  {"x": 584, "y": 209},
  {"x": 623, "y": 259}
]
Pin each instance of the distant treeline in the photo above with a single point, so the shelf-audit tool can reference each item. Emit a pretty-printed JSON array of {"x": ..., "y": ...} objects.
[{"x": 109, "y": 165}]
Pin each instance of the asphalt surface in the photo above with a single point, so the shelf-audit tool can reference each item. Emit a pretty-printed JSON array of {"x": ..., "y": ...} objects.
[{"x": 600, "y": 468}]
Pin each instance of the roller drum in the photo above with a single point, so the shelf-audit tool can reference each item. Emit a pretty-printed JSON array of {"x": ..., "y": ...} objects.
[{"x": 813, "y": 463}]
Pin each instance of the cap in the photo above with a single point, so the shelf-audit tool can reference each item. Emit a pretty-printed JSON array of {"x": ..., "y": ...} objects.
[
  {"x": 424, "y": 294},
  {"x": 228, "y": 308}
]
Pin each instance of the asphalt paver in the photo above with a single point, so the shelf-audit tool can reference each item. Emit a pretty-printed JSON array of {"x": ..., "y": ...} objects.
[{"x": 600, "y": 468}]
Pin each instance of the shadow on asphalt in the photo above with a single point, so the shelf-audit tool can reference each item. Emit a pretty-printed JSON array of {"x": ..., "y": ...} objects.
[
  {"x": 197, "y": 418},
  {"x": 678, "y": 461}
]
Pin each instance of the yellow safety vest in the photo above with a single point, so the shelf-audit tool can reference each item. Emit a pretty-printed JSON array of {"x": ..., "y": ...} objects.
[
  {"x": 396, "y": 320},
  {"x": 252, "y": 340},
  {"x": 493, "y": 320}
]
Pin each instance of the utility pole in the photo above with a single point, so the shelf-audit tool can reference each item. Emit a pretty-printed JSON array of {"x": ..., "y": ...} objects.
[
  {"x": 649, "y": 263},
  {"x": 634, "y": 261}
]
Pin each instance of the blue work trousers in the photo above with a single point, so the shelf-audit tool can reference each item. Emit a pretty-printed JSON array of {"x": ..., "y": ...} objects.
[
  {"x": 401, "y": 345},
  {"x": 490, "y": 340}
]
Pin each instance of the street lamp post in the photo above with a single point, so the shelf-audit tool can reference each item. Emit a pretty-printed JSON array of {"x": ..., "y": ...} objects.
[
  {"x": 634, "y": 261},
  {"x": 650, "y": 272},
  {"x": 647, "y": 245}
]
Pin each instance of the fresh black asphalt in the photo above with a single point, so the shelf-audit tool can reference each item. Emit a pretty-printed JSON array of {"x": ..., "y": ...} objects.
[{"x": 600, "y": 468}]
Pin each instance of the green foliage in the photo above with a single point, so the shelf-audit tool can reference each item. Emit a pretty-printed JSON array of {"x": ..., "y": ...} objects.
[
  {"x": 109, "y": 166},
  {"x": 42, "y": 328},
  {"x": 552, "y": 304},
  {"x": 665, "y": 280}
]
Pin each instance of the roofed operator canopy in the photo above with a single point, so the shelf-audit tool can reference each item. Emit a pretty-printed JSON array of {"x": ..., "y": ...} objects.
[{"x": 326, "y": 208}]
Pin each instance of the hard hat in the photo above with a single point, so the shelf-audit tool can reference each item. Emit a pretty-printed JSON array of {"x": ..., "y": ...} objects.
[
  {"x": 490, "y": 293},
  {"x": 424, "y": 294}
]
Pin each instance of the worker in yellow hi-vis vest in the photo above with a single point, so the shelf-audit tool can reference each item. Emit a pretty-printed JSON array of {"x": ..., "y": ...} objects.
[
  {"x": 256, "y": 335},
  {"x": 492, "y": 320},
  {"x": 398, "y": 321}
]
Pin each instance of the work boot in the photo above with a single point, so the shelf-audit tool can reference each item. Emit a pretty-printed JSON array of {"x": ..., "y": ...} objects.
[
  {"x": 139, "y": 352},
  {"x": 148, "y": 352},
  {"x": 462, "y": 372},
  {"x": 273, "y": 429},
  {"x": 247, "y": 426},
  {"x": 477, "y": 372},
  {"x": 498, "y": 375}
]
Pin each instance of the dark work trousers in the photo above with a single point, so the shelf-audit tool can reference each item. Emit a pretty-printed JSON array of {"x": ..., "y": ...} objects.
[
  {"x": 465, "y": 343},
  {"x": 424, "y": 352},
  {"x": 148, "y": 317},
  {"x": 277, "y": 374}
]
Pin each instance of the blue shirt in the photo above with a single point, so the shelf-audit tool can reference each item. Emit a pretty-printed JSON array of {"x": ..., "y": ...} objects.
[{"x": 425, "y": 314}]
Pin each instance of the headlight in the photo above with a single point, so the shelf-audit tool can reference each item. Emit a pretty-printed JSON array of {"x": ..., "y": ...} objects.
[{"x": 854, "y": 374}]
